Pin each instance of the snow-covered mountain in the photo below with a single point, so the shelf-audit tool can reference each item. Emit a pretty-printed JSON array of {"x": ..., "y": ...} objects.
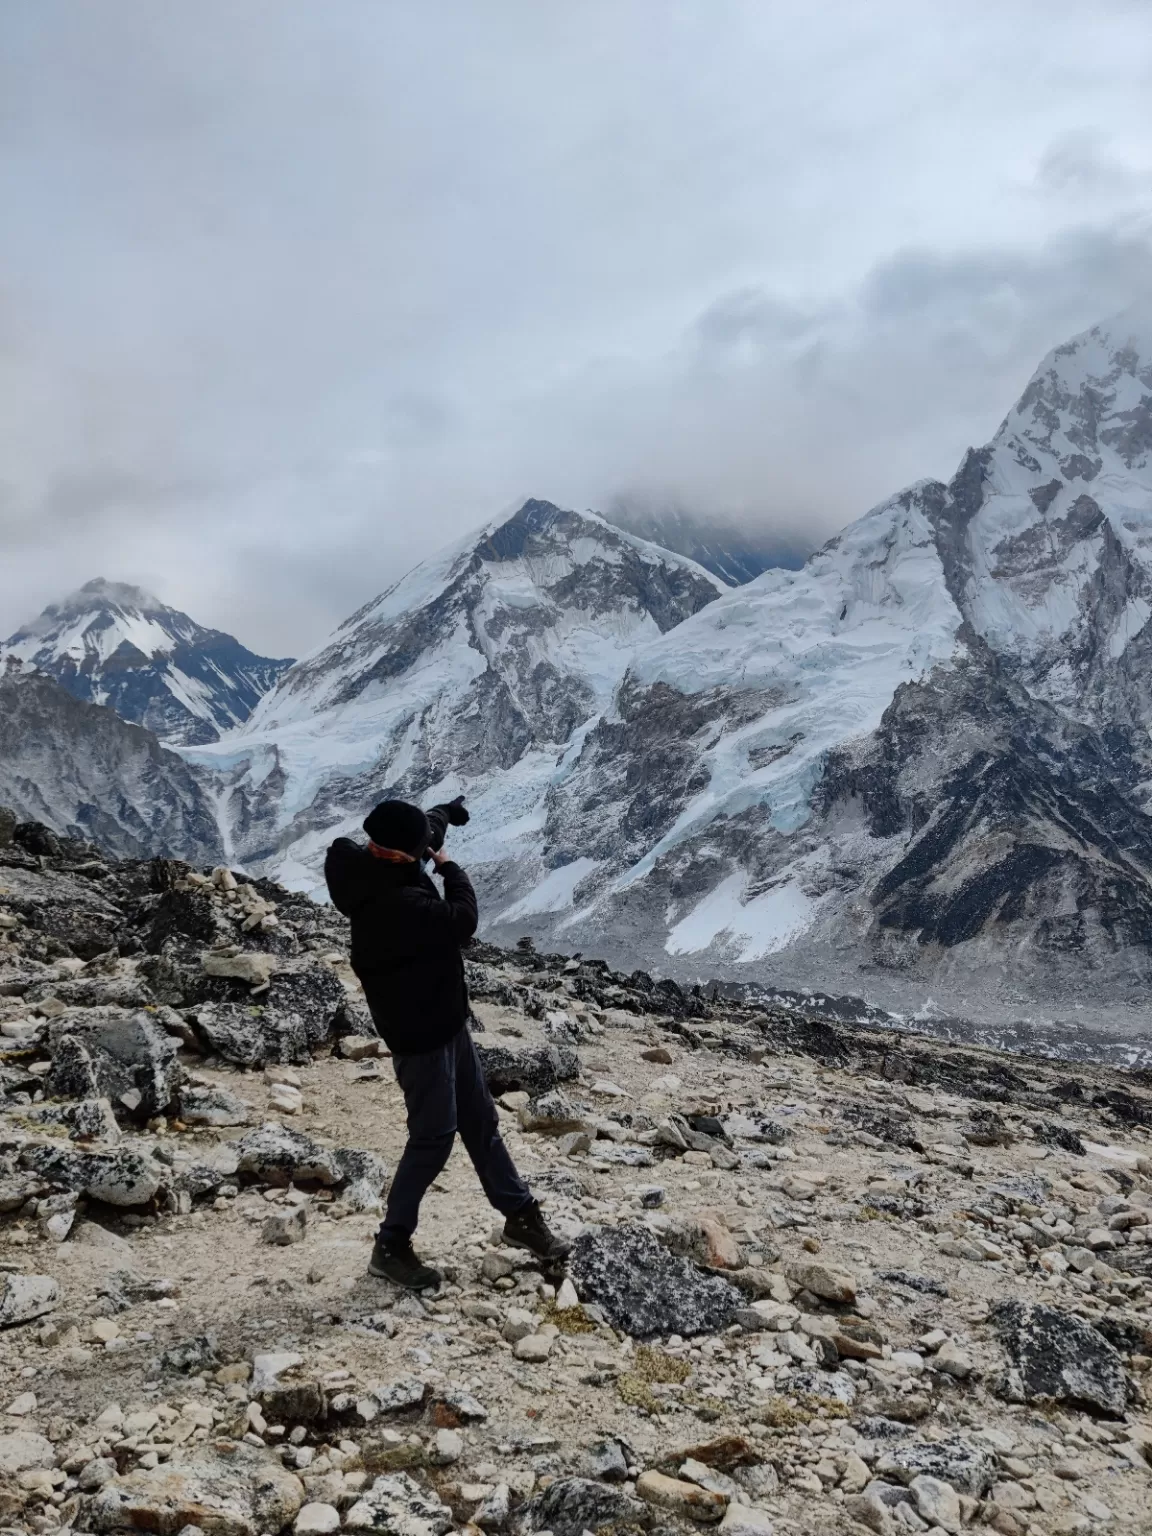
[
  {"x": 477, "y": 672},
  {"x": 111, "y": 643},
  {"x": 924, "y": 757},
  {"x": 84, "y": 772},
  {"x": 920, "y": 766}
]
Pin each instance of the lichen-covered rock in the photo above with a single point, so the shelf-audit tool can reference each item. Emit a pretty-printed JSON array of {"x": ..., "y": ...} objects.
[
  {"x": 243, "y": 1494},
  {"x": 120, "y": 1177},
  {"x": 1056, "y": 1356},
  {"x": 277, "y": 1155},
  {"x": 190, "y": 1355},
  {"x": 127, "y": 1058},
  {"x": 89, "y": 1120},
  {"x": 572, "y": 1505},
  {"x": 645, "y": 1290},
  {"x": 313, "y": 994},
  {"x": 969, "y": 1468},
  {"x": 24, "y": 1297},
  {"x": 398, "y": 1506},
  {"x": 532, "y": 1069},
  {"x": 213, "y": 1106},
  {"x": 251, "y": 1035},
  {"x": 552, "y": 1114}
]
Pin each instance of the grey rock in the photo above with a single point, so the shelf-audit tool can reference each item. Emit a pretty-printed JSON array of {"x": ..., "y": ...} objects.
[
  {"x": 833, "y": 1386},
  {"x": 191, "y": 1355},
  {"x": 1056, "y": 1356},
  {"x": 460, "y": 1404},
  {"x": 22, "y": 1449},
  {"x": 314, "y": 994},
  {"x": 121, "y": 1177},
  {"x": 398, "y": 1506},
  {"x": 252, "y": 1036},
  {"x": 213, "y": 1106},
  {"x": 242, "y": 1495},
  {"x": 24, "y": 1297},
  {"x": 276, "y": 1155},
  {"x": 283, "y": 1228},
  {"x": 401, "y": 1396},
  {"x": 607, "y": 1462},
  {"x": 646, "y": 1291},
  {"x": 552, "y": 1114},
  {"x": 969, "y": 1468},
  {"x": 572, "y": 1505},
  {"x": 128, "y": 1059},
  {"x": 535, "y": 1069},
  {"x": 89, "y": 1120}
]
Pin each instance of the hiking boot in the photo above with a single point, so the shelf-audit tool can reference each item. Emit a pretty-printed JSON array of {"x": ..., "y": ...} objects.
[
  {"x": 396, "y": 1261},
  {"x": 528, "y": 1229}
]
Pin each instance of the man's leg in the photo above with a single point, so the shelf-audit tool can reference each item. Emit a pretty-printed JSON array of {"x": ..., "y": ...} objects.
[
  {"x": 429, "y": 1085},
  {"x": 479, "y": 1127}
]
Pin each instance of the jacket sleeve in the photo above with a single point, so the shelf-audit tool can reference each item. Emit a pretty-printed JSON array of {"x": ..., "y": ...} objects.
[
  {"x": 339, "y": 874},
  {"x": 460, "y": 900},
  {"x": 451, "y": 812}
]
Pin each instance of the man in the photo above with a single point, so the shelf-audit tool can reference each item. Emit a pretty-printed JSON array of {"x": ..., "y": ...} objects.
[{"x": 406, "y": 942}]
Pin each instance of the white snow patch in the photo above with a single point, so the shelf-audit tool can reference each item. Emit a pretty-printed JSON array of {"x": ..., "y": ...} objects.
[
  {"x": 762, "y": 926},
  {"x": 555, "y": 893}
]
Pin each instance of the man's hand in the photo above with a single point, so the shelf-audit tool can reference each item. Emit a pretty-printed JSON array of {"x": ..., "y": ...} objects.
[{"x": 439, "y": 857}]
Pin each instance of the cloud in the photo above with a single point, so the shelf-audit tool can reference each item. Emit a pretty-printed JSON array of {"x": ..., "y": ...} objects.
[{"x": 291, "y": 294}]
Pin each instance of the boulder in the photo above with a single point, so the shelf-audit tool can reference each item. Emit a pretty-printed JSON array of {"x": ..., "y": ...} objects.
[
  {"x": 251, "y": 1036},
  {"x": 970, "y": 1469},
  {"x": 88, "y": 1120},
  {"x": 746, "y": 1520},
  {"x": 821, "y": 1280},
  {"x": 677, "y": 1497},
  {"x": 213, "y": 1106},
  {"x": 127, "y": 1058},
  {"x": 397, "y": 1505},
  {"x": 313, "y": 994},
  {"x": 552, "y": 1114},
  {"x": 572, "y": 1505},
  {"x": 534, "y": 1069},
  {"x": 23, "y": 1449},
  {"x": 121, "y": 1177},
  {"x": 245, "y": 1494},
  {"x": 275, "y": 1155},
  {"x": 645, "y": 1290},
  {"x": 1055, "y": 1356}
]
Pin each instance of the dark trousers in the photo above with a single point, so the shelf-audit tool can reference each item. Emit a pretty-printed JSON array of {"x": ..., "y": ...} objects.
[{"x": 445, "y": 1092}]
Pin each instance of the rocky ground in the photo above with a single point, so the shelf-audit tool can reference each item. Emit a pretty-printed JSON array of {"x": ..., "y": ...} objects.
[{"x": 826, "y": 1278}]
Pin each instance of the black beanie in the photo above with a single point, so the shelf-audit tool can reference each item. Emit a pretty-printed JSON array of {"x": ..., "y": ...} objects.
[{"x": 396, "y": 824}]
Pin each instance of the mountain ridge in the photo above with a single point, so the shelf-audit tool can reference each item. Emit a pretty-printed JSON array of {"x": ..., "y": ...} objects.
[{"x": 113, "y": 643}]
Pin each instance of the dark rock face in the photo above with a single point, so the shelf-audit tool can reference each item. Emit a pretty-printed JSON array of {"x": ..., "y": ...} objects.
[
  {"x": 84, "y": 772},
  {"x": 1055, "y": 1356},
  {"x": 569, "y": 1506},
  {"x": 534, "y": 1069},
  {"x": 646, "y": 1291}
]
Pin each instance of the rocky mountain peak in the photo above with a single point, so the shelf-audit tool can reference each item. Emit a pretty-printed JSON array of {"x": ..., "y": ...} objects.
[
  {"x": 110, "y": 642},
  {"x": 482, "y": 661}
]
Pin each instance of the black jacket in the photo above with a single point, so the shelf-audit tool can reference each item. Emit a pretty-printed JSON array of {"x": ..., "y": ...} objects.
[{"x": 406, "y": 941}]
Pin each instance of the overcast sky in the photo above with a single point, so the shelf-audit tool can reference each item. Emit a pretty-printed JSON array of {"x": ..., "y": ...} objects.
[{"x": 292, "y": 292}]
